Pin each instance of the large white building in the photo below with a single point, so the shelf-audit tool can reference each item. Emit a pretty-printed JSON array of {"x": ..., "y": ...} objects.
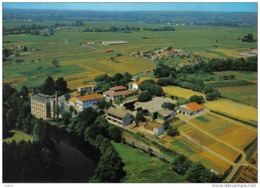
[
  {"x": 41, "y": 105},
  {"x": 88, "y": 101}
]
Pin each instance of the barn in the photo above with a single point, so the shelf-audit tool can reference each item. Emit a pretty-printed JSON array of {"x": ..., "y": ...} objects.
[{"x": 190, "y": 109}]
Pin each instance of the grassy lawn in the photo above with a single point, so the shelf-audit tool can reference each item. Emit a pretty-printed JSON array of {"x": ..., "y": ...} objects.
[
  {"x": 141, "y": 168},
  {"x": 18, "y": 136}
]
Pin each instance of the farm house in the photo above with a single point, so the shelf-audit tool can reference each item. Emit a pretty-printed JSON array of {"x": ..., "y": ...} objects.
[
  {"x": 190, "y": 109},
  {"x": 114, "y": 42}
]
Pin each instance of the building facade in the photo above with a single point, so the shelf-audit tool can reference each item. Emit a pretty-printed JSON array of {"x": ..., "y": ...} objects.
[
  {"x": 91, "y": 100},
  {"x": 190, "y": 109},
  {"x": 41, "y": 106},
  {"x": 119, "y": 117},
  {"x": 152, "y": 128},
  {"x": 87, "y": 89},
  {"x": 117, "y": 92}
]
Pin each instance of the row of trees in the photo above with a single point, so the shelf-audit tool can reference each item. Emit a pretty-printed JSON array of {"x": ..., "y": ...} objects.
[
  {"x": 97, "y": 131},
  {"x": 50, "y": 86},
  {"x": 195, "y": 172},
  {"x": 169, "y": 76},
  {"x": 104, "y": 82},
  {"x": 166, "y": 28},
  {"x": 217, "y": 64},
  {"x": 111, "y": 29},
  {"x": 25, "y": 161}
]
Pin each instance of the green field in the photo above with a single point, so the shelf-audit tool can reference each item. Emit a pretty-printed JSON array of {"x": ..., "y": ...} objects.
[
  {"x": 64, "y": 46},
  {"x": 241, "y": 89},
  {"x": 145, "y": 169},
  {"x": 18, "y": 136}
]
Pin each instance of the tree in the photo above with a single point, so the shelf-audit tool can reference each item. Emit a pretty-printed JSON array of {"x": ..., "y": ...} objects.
[
  {"x": 25, "y": 49},
  {"x": 102, "y": 104},
  {"x": 181, "y": 164},
  {"x": 172, "y": 131},
  {"x": 55, "y": 63},
  {"x": 8, "y": 90},
  {"x": 197, "y": 99},
  {"x": 40, "y": 132},
  {"x": 66, "y": 117},
  {"x": 24, "y": 91},
  {"x": 48, "y": 87},
  {"x": 144, "y": 96},
  {"x": 101, "y": 78},
  {"x": 139, "y": 116},
  {"x": 115, "y": 133},
  {"x": 61, "y": 85},
  {"x": 199, "y": 174},
  {"x": 168, "y": 105}
]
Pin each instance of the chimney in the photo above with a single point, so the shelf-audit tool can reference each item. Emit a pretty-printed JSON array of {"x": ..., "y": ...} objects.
[{"x": 56, "y": 104}]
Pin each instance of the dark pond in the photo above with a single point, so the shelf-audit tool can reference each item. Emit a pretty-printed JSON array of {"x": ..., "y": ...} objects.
[{"x": 78, "y": 158}]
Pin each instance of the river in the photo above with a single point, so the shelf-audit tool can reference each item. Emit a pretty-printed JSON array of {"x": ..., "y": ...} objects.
[{"x": 78, "y": 158}]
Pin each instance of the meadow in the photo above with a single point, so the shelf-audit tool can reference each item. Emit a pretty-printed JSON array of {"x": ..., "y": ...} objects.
[
  {"x": 18, "y": 136},
  {"x": 242, "y": 89},
  {"x": 92, "y": 61},
  {"x": 141, "y": 169}
]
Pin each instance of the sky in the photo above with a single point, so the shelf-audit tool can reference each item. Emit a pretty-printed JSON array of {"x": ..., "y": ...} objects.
[{"x": 138, "y": 6}]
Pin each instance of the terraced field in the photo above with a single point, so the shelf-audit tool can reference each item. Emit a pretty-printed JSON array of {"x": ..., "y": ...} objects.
[{"x": 211, "y": 140}]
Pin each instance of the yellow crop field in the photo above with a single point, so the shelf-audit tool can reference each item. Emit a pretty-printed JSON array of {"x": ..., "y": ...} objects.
[
  {"x": 238, "y": 136},
  {"x": 211, "y": 161},
  {"x": 234, "y": 109},
  {"x": 181, "y": 92},
  {"x": 200, "y": 137},
  {"x": 94, "y": 67},
  {"x": 229, "y": 52},
  {"x": 227, "y": 131},
  {"x": 225, "y": 151}
]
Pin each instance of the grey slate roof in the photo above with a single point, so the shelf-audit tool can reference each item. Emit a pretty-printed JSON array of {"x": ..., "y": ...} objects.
[
  {"x": 116, "y": 112},
  {"x": 165, "y": 112},
  {"x": 42, "y": 98}
]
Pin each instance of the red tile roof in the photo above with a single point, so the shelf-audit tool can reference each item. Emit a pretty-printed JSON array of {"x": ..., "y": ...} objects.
[
  {"x": 138, "y": 83},
  {"x": 90, "y": 97},
  {"x": 193, "y": 106},
  {"x": 116, "y": 88}
]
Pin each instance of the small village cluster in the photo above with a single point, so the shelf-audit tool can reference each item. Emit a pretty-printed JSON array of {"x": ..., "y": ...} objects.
[{"x": 43, "y": 106}]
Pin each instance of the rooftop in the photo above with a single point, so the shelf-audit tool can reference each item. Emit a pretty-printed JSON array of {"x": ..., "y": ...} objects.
[
  {"x": 117, "y": 112},
  {"x": 117, "y": 93},
  {"x": 193, "y": 106},
  {"x": 116, "y": 88},
  {"x": 165, "y": 112},
  {"x": 42, "y": 98},
  {"x": 90, "y": 97},
  {"x": 86, "y": 86}
]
